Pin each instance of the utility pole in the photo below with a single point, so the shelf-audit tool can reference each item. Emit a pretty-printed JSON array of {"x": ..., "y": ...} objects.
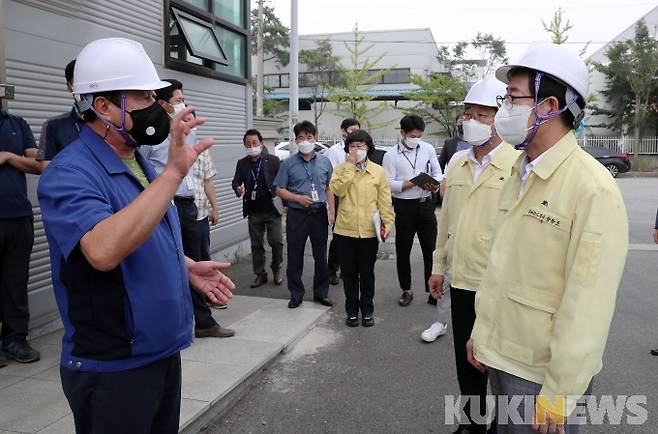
[
  {"x": 259, "y": 61},
  {"x": 293, "y": 115}
]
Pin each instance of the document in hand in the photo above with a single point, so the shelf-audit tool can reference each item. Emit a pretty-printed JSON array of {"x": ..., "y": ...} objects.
[
  {"x": 377, "y": 221},
  {"x": 423, "y": 179}
]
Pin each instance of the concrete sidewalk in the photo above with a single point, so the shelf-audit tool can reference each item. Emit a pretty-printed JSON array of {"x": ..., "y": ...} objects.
[{"x": 33, "y": 401}]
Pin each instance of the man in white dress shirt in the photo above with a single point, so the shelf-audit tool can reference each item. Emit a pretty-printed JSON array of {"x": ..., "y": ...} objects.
[{"x": 414, "y": 208}]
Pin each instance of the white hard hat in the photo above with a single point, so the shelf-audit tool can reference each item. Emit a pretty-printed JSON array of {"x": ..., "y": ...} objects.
[
  {"x": 555, "y": 60},
  {"x": 114, "y": 64},
  {"x": 485, "y": 91}
]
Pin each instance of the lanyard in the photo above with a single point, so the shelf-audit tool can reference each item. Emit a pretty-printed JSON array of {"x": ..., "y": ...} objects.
[
  {"x": 308, "y": 172},
  {"x": 413, "y": 166},
  {"x": 255, "y": 176}
]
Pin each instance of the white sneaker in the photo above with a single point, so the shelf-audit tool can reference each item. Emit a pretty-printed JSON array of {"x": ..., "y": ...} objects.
[{"x": 437, "y": 329}]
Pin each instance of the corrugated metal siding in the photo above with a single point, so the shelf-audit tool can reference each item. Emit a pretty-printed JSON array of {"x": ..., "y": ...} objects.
[
  {"x": 140, "y": 18},
  {"x": 36, "y": 57}
]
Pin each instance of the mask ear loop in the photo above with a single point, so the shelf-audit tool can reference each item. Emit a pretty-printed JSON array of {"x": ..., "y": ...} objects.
[{"x": 129, "y": 140}]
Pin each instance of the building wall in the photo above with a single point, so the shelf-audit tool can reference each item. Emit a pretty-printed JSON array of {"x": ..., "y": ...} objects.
[{"x": 42, "y": 37}]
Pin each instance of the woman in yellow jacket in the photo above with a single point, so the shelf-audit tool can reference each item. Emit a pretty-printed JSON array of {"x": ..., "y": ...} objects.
[{"x": 365, "y": 198}]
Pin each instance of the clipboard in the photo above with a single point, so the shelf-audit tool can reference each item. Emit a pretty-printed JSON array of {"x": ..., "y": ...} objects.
[{"x": 423, "y": 179}]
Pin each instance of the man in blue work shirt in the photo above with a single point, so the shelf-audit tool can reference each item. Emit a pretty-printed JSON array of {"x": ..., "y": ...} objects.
[
  {"x": 63, "y": 129},
  {"x": 17, "y": 152},
  {"x": 303, "y": 182},
  {"x": 118, "y": 269}
]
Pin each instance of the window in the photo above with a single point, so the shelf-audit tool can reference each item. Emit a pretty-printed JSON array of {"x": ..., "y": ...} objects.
[
  {"x": 208, "y": 37},
  {"x": 395, "y": 76}
]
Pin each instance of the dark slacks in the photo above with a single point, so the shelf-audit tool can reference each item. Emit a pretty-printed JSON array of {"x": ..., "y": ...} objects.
[
  {"x": 16, "y": 240},
  {"x": 204, "y": 236},
  {"x": 471, "y": 381},
  {"x": 414, "y": 217},
  {"x": 144, "y": 400},
  {"x": 187, "y": 212},
  {"x": 333, "y": 260},
  {"x": 259, "y": 225},
  {"x": 302, "y": 224},
  {"x": 357, "y": 260}
]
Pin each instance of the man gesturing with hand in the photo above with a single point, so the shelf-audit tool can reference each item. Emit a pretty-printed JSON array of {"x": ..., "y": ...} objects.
[{"x": 119, "y": 272}]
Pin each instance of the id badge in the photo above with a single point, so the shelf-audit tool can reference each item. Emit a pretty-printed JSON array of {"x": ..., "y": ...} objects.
[
  {"x": 253, "y": 195},
  {"x": 314, "y": 194}
]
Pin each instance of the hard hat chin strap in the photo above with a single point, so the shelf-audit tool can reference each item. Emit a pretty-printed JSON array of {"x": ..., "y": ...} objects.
[
  {"x": 121, "y": 130},
  {"x": 571, "y": 98}
]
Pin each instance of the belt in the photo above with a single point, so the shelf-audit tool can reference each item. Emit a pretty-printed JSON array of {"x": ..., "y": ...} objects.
[
  {"x": 418, "y": 199},
  {"x": 184, "y": 198},
  {"x": 308, "y": 211}
]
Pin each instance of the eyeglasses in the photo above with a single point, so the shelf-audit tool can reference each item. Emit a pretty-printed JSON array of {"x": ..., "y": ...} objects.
[{"x": 508, "y": 100}]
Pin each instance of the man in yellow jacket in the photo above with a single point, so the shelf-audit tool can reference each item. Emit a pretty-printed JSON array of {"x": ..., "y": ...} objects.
[
  {"x": 546, "y": 300},
  {"x": 466, "y": 223}
]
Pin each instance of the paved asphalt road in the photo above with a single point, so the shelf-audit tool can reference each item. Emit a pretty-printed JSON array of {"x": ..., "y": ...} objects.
[{"x": 385, "y": 380}]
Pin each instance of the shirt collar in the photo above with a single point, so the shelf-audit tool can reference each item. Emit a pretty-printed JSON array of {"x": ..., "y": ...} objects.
[
  {"x": 4, "y": 114},
  {"x": 551, "y": 158}
]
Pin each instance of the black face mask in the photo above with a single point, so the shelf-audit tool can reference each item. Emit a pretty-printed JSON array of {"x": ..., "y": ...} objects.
[{"x": 150, "y": 125}]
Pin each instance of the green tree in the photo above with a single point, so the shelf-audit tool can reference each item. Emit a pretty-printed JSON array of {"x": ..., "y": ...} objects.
[
  {"x": 631, "y": 76},
  {"x": 352, "y": 98},
  {"x": 491, "y": 53},
  {"x": 276, "y": 39},
  {"x": 438, "y": 100},
  {"x": 559, "y": 27},
  {"x": 323, "y": 73}
]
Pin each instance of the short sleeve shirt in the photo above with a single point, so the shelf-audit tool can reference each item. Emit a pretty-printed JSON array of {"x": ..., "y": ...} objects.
[
  {"x": 15, "y": 137},
  {"x": 299, "y": 176}
]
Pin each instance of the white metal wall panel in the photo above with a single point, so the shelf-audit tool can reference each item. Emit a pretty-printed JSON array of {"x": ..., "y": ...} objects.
[{"x": 35, "y": 58}]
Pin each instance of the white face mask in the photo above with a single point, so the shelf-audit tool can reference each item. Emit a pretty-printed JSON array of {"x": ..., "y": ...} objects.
[
  {"x": 179, "y": 108},
  {"x": 361, "y": 155},
  {"x": 512, "y": 124},
  {"x": 254, "y": 152},
  {"x": 476, "y": 133},
  {"x": 411, "y": 142},
  {"x": 305, "y": 147}
]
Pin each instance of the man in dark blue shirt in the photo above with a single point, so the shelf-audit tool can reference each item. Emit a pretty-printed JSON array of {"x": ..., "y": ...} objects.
[
  {"x": 17, "y": 152},
  {"x": 61, "y": 130},
  {"x": 303, "y": 182}
]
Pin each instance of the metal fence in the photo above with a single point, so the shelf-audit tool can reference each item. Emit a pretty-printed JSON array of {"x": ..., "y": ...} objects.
[
  {"x": 644, "y": 145},
  {"x": 437, "y": 142}
]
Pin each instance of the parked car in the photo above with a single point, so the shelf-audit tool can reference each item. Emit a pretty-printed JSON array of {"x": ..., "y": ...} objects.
[
  {"x": 615, "y": 162},
  {"x": 282, "y": 150}
]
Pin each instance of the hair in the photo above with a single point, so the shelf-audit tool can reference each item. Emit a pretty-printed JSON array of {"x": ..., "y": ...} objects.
[
  {"x": 68, "y": 71},
  {"x": 167, "y": 92},
  {"x": 304, "y": 127},
  {"x": 349, "y": 122},
  {"x": 114, "y": 96},
  {"x": 458, "y": 116},
  {"x": 412, "y": 122},
  {"x": 252, "y": 132},
  {"x": 550, "y": 86},
  {"x": 360, "y": 136}
]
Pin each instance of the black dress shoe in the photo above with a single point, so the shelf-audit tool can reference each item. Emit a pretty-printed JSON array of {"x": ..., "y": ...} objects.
[
  {"x": 431, "y": 300},
  {"x": 654, "y": 352},
  {"x": 405, "y": 299},
  {"x": 261, "y": 279},
  {"x": 352, "y": 321},
  {"x": 324, "y": 301},
  {"x": 368, "y": 321},
  {"x": 20, "y": 351},
  {"x": 292, "y": 304},
  {"x": 333, "y": 279}
]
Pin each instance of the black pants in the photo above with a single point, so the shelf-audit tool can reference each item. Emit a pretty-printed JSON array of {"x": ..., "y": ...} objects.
[
  {"x": 189, "y": 226},
  {"x": 333, "y": 261},
  {"x": 357, "y": 260},
  {"x": 144, "y": 400},
  {"x": 16, "y": 240},
  {"x": 414, "y": 217},
  {"x": 471, "y": 381},
  {"x": 204, "y": 236},
  {"x": 259, "y": 224},
  {"x": 302, "y": 224}
]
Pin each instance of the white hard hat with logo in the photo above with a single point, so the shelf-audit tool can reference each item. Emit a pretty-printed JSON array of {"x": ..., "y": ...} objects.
[
  {"x": 555, "y": 60},
  {"x": 114, "y": 64},
  {"x": 485, "y": 91}
]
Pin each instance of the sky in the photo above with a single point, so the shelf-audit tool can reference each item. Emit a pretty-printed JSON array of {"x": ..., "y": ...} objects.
[{"x": 518, "y": 22}]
